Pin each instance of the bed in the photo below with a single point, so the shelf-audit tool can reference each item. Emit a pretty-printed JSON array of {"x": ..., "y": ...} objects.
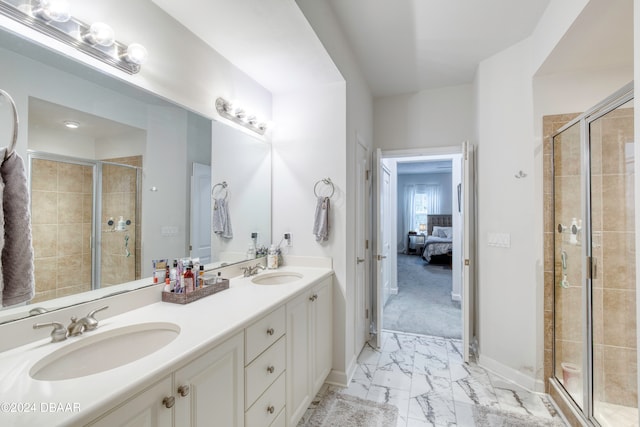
[{"x": 439, "y": 237}]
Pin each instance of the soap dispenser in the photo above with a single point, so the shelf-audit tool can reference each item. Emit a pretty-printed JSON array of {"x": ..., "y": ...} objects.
[{"x": 272, "y": 258}]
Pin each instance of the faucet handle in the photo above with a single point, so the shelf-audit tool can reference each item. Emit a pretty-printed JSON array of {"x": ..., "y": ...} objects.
[
  {"x": 90, "y": 322},
  {"x": 59, "y": 332}
]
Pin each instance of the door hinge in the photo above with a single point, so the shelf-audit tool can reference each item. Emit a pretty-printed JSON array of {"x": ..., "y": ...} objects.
[
  {"x": 366, "y": 313},
  {"x": 366, "y": 175},
  {"x": 366, "y": 244},
  {"x": 466, "y": 262},
  {"x": 190, "y": 247}
]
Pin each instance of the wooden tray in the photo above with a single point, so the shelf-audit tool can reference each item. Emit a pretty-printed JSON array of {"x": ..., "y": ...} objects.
[{"x": 195, "y": 295}]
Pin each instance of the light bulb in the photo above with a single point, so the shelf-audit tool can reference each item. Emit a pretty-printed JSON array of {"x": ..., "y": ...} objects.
[
  {"x": 136, "y": 54},
  {"x": 53, "y": 10},
  {"x": 99, "y": 33}
]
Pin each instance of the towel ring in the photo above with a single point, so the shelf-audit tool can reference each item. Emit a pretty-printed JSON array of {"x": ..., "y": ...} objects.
[
  {"x": 14, "y": 139},
  {"x": 325, "y": 181},
  {"x": 224, "y": 186}
]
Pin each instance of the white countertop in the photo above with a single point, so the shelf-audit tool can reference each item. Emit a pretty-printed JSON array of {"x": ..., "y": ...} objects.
[{"x": 203, "y": 323}]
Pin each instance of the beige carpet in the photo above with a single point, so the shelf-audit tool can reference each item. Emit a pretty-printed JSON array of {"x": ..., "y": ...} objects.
[
  {"x": 489, "y": 417},
  {"x": 337, "y": 409}
]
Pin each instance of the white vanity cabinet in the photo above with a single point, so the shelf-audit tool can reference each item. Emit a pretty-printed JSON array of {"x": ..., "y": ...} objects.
[
  {"x": 208, "y": 388},
  {"x": 265, "y": 359},
  {"x": 146, "y": 409},
  {"x": 309, "y": 347}
]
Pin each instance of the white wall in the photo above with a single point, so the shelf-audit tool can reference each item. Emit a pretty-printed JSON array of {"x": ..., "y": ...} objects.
[
  {"x": 305, "y": 149},
  {"x": 511, "y": 103},
  {"x": 430, "y": 118},
  {"x": 359, "y": 121}
]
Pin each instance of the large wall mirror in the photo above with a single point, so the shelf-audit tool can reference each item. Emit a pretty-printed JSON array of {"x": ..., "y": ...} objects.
[{"x": 131, "y": 183}]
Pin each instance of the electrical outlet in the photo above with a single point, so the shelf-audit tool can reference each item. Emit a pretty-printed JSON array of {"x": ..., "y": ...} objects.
[{"x": 287, "y": 237}]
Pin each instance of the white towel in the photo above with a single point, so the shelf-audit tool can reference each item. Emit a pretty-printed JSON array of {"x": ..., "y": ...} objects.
[
  {"x": 221, "y": 221},
  {"x": 321, "y": 219},
  {"x": 17, "y": 284}
]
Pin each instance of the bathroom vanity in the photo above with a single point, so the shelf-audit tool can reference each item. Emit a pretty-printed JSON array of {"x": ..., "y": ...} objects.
[{"x": 253, "y": 355}]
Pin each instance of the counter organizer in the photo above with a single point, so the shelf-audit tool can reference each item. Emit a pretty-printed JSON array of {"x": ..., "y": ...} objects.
[{"x": 206, "y": 290}]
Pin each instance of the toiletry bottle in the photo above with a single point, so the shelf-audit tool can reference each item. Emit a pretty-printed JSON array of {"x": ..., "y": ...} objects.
[
  {"x": 173, "y": 273},
  {"x": 121, "y": 224},
  {"x": 219, "y": 278},
  {"x": 188, "y": 280},
  {"x": 251, "y": 252},
  {"x": 201, "y": 277},
  {"x": 272, "y": 258}
]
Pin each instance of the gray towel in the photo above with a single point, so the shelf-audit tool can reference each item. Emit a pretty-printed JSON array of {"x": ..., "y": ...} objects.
[
  {"x": 321, "y": 219},
  {"x": 17, "y": 284},
  {"x": 221, "y": 221}
]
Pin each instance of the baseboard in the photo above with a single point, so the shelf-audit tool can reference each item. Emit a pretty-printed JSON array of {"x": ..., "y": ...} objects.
[
  {"x": 510, "y": 374},
  {"x": 343, "y": 378},
  {"x": 456, "y": 297}
]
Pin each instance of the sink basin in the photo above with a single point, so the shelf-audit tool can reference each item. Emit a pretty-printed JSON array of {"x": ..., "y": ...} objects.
[
  {"x": 277, "y": 278},
  {"x": 92, "y": 354}
]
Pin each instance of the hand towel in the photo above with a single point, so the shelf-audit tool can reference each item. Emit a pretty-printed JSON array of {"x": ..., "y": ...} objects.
[
  {"x": 17, "y": 284},
  {"x": 321, "y": 219},
  {"x": 221, "y": 221}
]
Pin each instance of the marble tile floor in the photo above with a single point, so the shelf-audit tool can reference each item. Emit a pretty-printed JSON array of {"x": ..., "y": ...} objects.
[{"x": 426, "y": 378}]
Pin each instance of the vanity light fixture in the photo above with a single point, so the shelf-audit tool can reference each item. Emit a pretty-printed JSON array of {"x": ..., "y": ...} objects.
[
  {"x": 71, "y": 124},
  {"x": 238, "y": 115},
  {"x": 99, "y": 34},
  {"x": 53, "y": 18}
]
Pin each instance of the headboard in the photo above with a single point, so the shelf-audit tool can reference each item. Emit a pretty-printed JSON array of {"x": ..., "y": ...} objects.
[{"x": 438, "y": 221}]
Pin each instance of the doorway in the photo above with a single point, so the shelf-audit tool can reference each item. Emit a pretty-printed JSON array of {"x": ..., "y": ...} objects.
[
  {"x": 424, "y": 300},
  {"x": 421, "y": 205}
]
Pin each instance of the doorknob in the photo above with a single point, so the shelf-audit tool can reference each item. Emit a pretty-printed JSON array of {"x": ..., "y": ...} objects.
[
  {"x": 381, "y": 257},
  {"x": 359, "y": 260}
]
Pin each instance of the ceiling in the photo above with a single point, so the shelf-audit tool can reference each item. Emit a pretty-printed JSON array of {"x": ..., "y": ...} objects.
[
  {"x": 405, "y": 46},
  {"x": 402, "y": 46},
  {"x": 49, "y": 116}
]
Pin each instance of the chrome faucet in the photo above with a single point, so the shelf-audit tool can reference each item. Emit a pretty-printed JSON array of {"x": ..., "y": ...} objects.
[
  {"x": 252, "y": 271},
  {"x": 59, "y": 332},
  {"x": 87, "y": 323}
]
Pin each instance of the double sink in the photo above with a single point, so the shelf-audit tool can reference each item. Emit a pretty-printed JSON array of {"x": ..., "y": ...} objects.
[{"x": 114, "y": 348}]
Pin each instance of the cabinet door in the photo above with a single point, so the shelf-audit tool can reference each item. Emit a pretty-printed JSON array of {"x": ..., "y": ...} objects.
[
  {"x": 210, "y": 389},
  {"x": 322, "y": 310},
  {"x": 143, "y": 410},
  {"x": 298, "y": 358}
]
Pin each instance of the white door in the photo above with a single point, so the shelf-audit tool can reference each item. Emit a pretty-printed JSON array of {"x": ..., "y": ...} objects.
[
  {"x": 201, "y": 213},
  {"x": 381, "y": 210},
  {"x": 467, "y": 247},
  {"x": 362, "y": 297}
]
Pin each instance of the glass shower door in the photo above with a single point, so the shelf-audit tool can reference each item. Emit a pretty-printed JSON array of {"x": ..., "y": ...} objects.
[
  {"x": 569, "y": 286},
  {"x": 612, "y": 164}
]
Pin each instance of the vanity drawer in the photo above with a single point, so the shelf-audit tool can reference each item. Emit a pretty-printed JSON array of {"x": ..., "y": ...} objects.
[
  {"x": 263, "y": 371},
  {"x": 262, "y": 333},
  {"x": 267, "y": 408}
]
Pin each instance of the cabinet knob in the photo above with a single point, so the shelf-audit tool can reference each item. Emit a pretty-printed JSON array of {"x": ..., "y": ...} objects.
[
  {"x": 313, "y": 297},
  {"x": 271, "y": 409},
  {"x": 169, "y": 401},
  {"x": 271, "y": 369},
  {"x": 270, "y": 331},
  {"x": 183, "y": 390}
]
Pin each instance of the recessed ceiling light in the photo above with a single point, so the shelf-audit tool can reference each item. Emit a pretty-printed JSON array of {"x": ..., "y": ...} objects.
[{"x": 71, "y": 124}]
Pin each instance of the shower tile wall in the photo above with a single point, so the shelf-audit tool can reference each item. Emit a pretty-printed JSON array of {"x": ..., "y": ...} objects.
[
  {"x": 614, "y": 286},
  {"x": 120, "y": 198},
  {"x": 614, "y": 295},
  {"x": 61, "y": 211},
  {"x": 550, "y": 125}
]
